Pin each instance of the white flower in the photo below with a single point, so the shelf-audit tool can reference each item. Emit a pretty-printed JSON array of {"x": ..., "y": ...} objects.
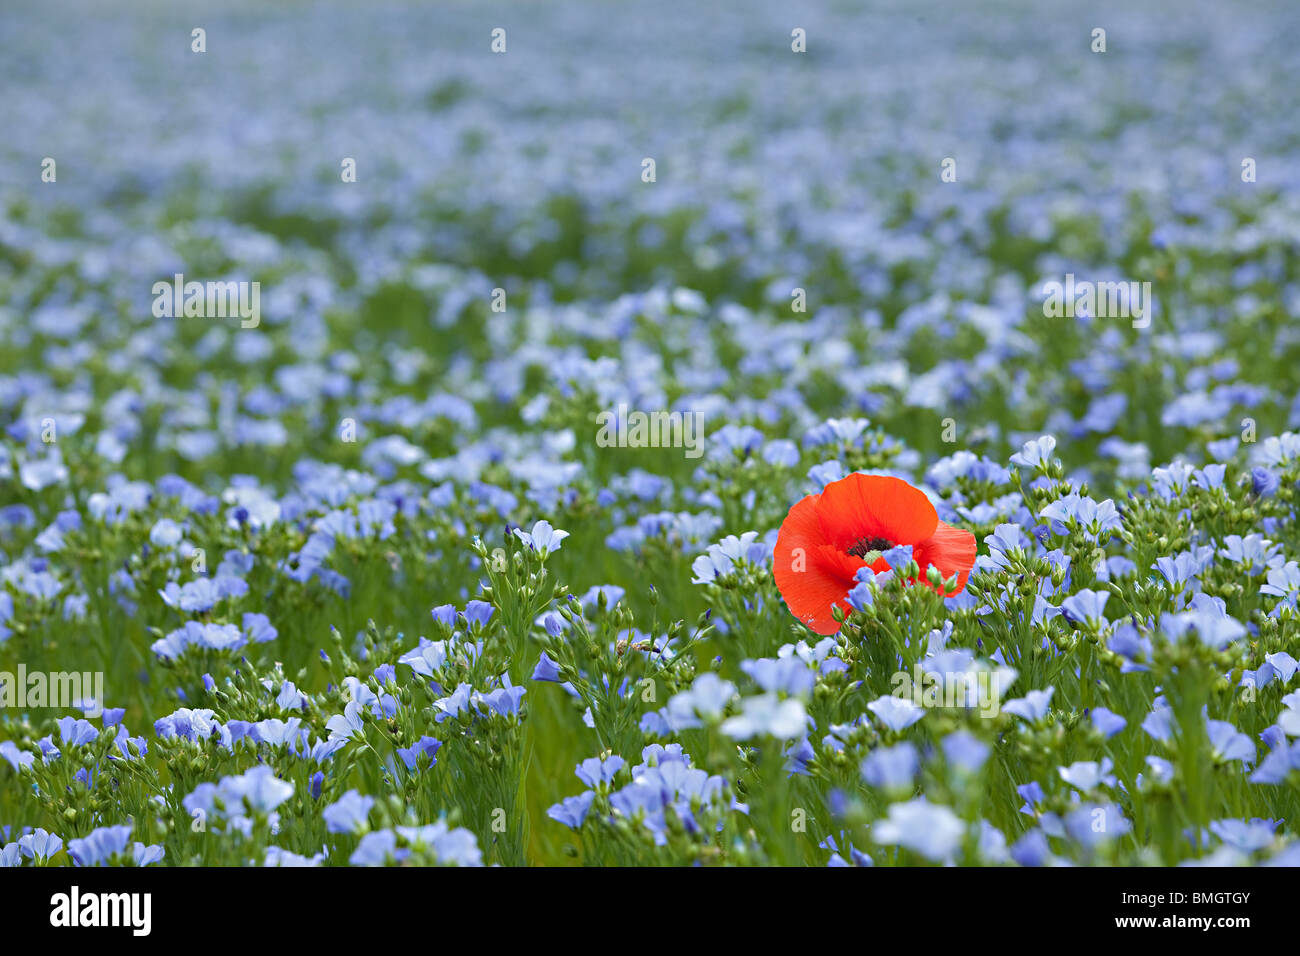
[
  {"x": 768, "y": 715},
  {"x": 542, "y": 538},
  {"x": 929, "y": 829}
]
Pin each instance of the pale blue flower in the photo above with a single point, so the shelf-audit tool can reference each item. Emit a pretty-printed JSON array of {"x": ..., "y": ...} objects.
[
  {"x": 767, "y": 715},
  {"x": 543, "y": 538},
  {"x": 896, "y": 713},
  {"x": 348, "y": 814},
  {"x": 931, "y": 830},
  {"x": 1033, "y": 706}
]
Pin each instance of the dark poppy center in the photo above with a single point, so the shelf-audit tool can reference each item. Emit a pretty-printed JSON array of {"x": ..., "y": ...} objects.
[{"x": 864, "y": 545}]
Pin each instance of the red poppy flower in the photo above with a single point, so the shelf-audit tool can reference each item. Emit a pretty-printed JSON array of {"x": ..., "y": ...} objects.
[{"x": 824, "y": 538}]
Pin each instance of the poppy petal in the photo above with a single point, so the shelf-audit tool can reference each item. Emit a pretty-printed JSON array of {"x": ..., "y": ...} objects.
[
  {"x": 799, "y": 530},
  {"x": 810, "y": 595},
  {"x": 839, "y": 564},
  {"x": 809, "y": 583},
  {"x": 875, "y": 506},
  {"x": 949, "y": 549}
]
